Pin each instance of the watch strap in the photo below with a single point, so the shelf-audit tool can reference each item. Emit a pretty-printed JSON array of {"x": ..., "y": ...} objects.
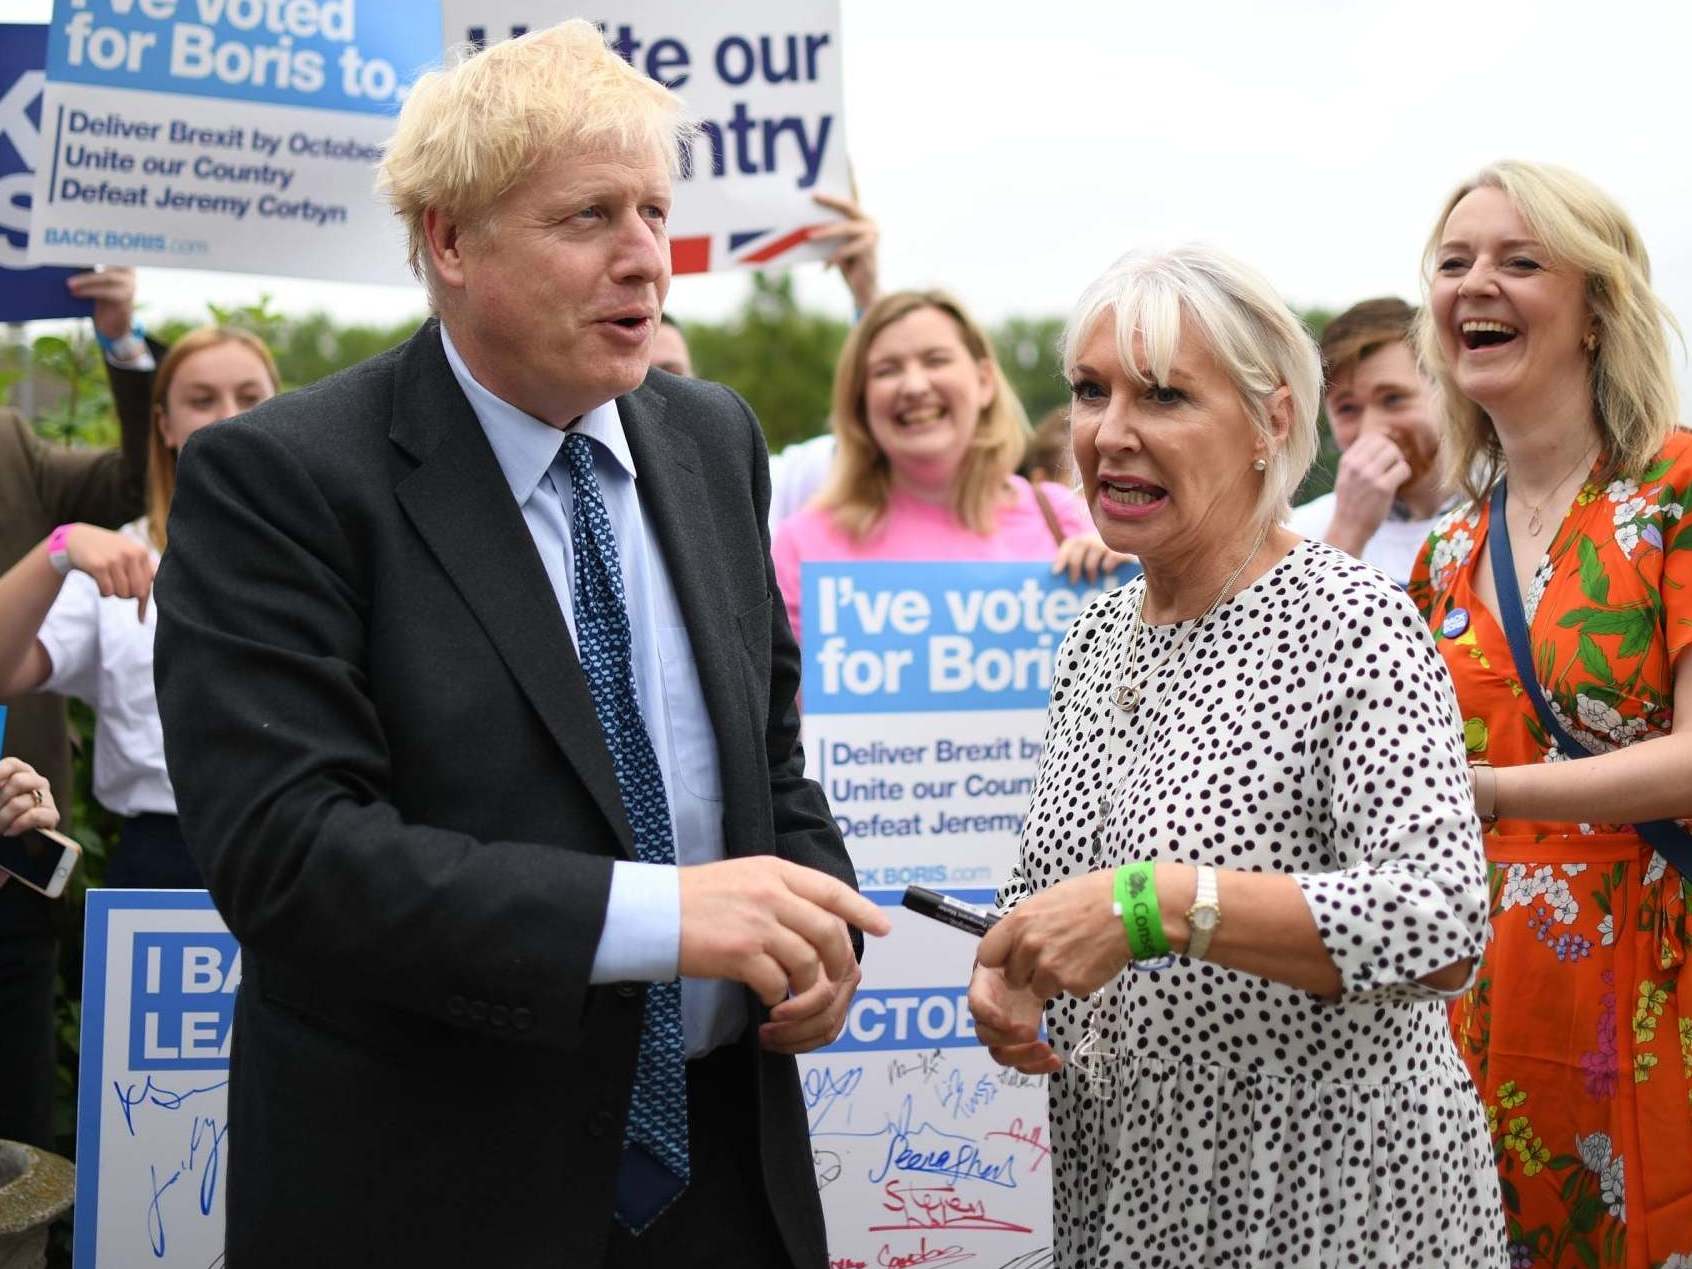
[
  {"x": 1205, "y": 900},
  {"x": 127, "y": 347},
  {"x": 58, "y": 549}
]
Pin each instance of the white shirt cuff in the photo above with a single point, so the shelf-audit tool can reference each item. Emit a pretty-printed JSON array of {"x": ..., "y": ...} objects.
[{"x": 641, "y": 941}]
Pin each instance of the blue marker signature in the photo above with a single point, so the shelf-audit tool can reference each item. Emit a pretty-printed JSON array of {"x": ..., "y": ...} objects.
[
  {"x": 917, "y": 1150},
  {"x": 203, "y": 1159},
  {"x": 206, "y": 1133},
  {"x": 150, "y": 1093},
  {"x": 205, "y": 1156},
  {"x": 962, "y": 1101},
  {"x": 823, "y": 1089},
  {"x": 155, "y": 1217}
]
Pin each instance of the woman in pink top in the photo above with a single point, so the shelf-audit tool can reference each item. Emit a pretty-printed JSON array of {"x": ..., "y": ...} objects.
[{"x": 928, "y": 437}]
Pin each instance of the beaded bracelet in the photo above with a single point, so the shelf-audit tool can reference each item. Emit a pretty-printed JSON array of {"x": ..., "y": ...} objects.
[{"x": 1135, "y": 889}]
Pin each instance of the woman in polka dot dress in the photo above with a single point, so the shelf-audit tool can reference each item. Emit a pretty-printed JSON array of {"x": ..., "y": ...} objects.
[
  {"x": 1259, "y": 736},
  {"x": 1557, "y": 378}
]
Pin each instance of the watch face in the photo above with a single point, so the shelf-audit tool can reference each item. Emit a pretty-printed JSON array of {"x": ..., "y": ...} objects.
[{"x": 1204, "y": 918}]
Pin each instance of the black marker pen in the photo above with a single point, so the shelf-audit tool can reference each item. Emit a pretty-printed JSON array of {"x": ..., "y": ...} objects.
[{"x": 944, "y": 908}]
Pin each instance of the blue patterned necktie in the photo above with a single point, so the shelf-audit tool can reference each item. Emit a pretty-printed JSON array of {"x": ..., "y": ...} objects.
[{"x": 654, "y": 1168}]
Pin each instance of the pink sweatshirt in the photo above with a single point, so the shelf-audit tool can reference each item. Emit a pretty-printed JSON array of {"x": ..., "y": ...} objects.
[{"x": 917, "y": 530}]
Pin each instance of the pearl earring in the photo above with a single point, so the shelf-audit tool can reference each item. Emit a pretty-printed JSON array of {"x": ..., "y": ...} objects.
[{"x": 1260, "y": 464}]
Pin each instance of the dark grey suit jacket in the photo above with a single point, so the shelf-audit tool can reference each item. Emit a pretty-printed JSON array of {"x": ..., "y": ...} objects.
[{"x": 390, "y": 772}]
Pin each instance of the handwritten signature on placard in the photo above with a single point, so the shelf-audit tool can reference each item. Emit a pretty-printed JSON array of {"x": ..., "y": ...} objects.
[
  {"x": 827, "y": 1166},
  {"x": 922, "y": 1147},
  {"x": 925, "y": 1067},
  {"x": 1010, "y": 1077},
  {"x": 891, "y": 1257},
  {"x": 937, "y": 1207},
  {"x": 201, "y": 1158},
  {"x": 964, "y": 1099},
  {"x": 825, "y": 1087},
  {"x": 152, "y": 1094},
  {"x": 1034, "y": 1138}
]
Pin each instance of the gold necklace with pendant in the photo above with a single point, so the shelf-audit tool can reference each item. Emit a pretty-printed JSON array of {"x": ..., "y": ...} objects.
[{"x": 1536, "y": 521}]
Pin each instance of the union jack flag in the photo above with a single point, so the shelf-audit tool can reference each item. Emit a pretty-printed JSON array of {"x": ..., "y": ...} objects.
[{"x": 747, "y": 247}]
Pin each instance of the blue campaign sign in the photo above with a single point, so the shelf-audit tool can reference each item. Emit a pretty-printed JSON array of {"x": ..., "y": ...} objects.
[
  {"x": 27, "y": 292},
  {"x": 907, "y": 1018},
  {"x": 900, "y": 637},
  {"x": 328, "y": 54},
  {"x": 182, "y": 993},
  {"x": 160, "y": 971}
]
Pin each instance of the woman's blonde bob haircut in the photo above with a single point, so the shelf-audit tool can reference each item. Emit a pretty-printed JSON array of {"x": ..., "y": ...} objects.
[
  {"x": 1259, "y": 342},
  {"x": 470, "y": 132},
  {"x": 1631, "y": 377},
  {"x": 161, "y": 458},
  {"x": 861, "y": 480}
]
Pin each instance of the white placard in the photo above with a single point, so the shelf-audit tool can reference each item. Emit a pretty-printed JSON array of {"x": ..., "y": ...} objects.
[
  {"x": 925, "y": 699},
  {"x": 159, "y": 975},
  {"x": 237, "y": 135},
  {"x": 763, "y": 78}
]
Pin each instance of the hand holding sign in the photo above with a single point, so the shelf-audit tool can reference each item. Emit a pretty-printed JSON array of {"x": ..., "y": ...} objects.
[
  {"x": 113, "y": 293},
  {"x": 856, "y": 256}
]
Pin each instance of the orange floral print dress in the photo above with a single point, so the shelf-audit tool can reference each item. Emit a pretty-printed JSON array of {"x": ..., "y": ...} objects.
[{"x": 1578, "y": 1028}]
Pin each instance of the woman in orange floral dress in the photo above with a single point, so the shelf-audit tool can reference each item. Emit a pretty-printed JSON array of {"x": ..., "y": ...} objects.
[{"x": 1552, "y": 356}]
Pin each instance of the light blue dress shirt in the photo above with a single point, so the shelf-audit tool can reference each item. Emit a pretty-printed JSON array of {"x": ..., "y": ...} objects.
[{"x": 642, "y": 936}]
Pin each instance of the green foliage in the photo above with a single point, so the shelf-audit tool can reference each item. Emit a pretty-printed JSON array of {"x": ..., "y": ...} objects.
[
  {"x": 306, "y": 348},
  {"x": 776, "y": 355},
  {"x": 1028, "y": 353},
  {"x": 78, "y": 406},
  {"x": 1326, "y": 467}
]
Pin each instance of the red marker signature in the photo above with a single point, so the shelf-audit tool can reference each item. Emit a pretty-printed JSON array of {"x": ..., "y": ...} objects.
[
  {"x": 923, "y": 1255},
  {"x": 887, "y": 1258},
  {"x": 1034, "y": 1138},
  {"x": 937, "y": 1207}
]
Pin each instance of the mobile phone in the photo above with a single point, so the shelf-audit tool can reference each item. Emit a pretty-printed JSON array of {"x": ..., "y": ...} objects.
[{"x": 40, "y": 858}]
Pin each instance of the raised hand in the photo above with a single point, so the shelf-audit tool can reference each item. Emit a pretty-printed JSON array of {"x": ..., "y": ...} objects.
[
  {"x": 1370, "y": 474},
  {"x": 856, "y": 258},
  {"x": 113, "y": 293}
]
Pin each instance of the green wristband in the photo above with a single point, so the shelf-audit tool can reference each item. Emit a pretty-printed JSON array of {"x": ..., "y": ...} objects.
[{"x": 1136, "y": 904}]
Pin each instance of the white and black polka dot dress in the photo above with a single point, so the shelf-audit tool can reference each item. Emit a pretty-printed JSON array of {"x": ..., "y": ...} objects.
[{"x": 1309, "y": 728}]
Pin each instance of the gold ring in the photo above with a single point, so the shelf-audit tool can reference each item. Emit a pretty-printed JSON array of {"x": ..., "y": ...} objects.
[{"x": 36, "y": 794}]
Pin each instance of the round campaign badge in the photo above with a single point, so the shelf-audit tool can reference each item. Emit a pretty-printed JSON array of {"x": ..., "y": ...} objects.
[{"x": 1455, "y": 623}]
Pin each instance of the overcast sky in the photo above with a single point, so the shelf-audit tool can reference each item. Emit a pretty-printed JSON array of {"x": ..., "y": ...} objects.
[{"x": 1012, "y": 150}]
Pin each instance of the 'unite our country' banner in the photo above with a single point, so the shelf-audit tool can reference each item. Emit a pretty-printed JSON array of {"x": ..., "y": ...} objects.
[
  {"x": 764, "y": 81},
  {"x": 925, "y": 692}
]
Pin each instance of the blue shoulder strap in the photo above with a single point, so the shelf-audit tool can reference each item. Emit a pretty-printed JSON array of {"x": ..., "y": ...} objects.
[{"x": 1667, "y": 837}]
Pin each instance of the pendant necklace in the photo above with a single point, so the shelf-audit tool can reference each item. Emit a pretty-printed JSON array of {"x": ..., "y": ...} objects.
[
  {"x": 1536, "y": 520},
  {"x": 1128, "y": 693}
]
